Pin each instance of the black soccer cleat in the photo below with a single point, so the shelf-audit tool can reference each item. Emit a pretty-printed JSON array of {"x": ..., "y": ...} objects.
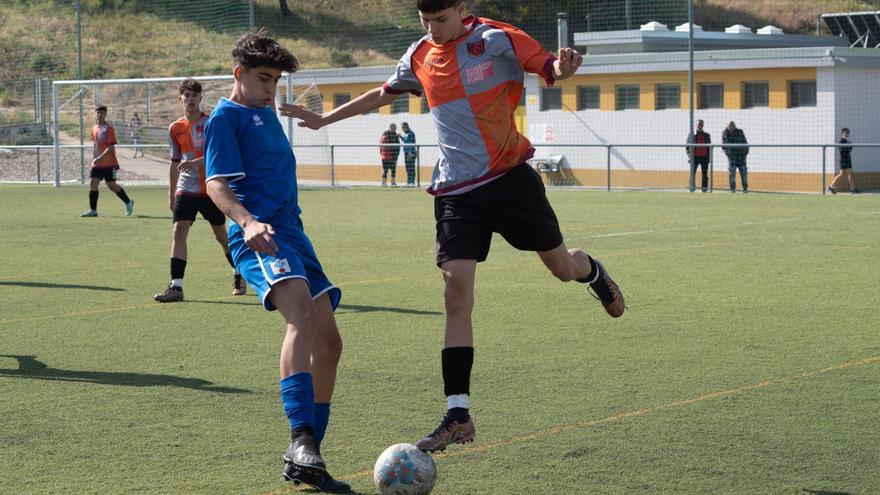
[
  {"x": 303, "y": 452},
  {"x": 450, "y": 431},
  {"x": 321, "y": 482},
  {"x": 607, "y": 292},
  {"x": 171, "y": 294}
]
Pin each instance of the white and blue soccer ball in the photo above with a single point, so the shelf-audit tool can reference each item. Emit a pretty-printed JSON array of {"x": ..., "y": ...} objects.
[{"x": 402, "y": 469}]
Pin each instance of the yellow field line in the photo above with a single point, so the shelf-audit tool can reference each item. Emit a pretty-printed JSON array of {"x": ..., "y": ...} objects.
[
  {"x": 625, "y": 415},
  {"x": 153, "y": 305}
]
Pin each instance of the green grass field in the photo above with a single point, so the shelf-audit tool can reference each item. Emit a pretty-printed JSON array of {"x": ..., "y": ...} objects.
[{"x": 747, "y": 362}]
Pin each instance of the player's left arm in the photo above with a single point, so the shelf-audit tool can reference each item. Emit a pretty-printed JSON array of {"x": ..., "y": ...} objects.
[
  {"x": 257, "y": 235},
  {"x": 567, "y": 63}
]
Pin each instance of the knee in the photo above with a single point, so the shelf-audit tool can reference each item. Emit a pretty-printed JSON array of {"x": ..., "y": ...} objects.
[
  {"x": 329, "y": 349},
  {"x": 180, "y": 231},
  {"x": 458, "y": 298}
]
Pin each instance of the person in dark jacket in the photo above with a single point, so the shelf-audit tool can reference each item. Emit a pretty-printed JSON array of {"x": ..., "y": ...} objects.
[
  {"x": 736, "y": 155},
  {"x": 389, "y": 154},
  {"x": 845, "y": 164},
  {"x": 699, "y": 156}
]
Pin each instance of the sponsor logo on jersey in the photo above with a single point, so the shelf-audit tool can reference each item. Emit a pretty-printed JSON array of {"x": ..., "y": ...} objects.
[
  {"x": 479, "y": 72},
  {"x": 258, "y": 121}
]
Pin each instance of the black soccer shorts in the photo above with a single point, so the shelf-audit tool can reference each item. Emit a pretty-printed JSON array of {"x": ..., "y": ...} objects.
[{"x": 514, "y": 205}]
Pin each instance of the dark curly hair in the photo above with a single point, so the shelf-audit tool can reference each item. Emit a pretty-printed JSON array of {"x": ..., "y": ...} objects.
[
  {"x": 191, "y": 85},
  {"x": 256, "y": 49},
  {"x": 433, "y": 6}
]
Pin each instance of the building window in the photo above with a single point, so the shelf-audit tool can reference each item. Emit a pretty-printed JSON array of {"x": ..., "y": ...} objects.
[
  {"x": 340, "y": 99},
  {"x": 551, "y": 99},
  {"x": 627, "y": 97},
  {"x": 711, "y": 96},
  {"x": 314, "y": 102},
  {"x": 400, "y": 104},
  {"x": 802, "y": 94},
  {"x": 668, "y": 96},
  {"x": 756, "y": 94},
  {"x": 423, "y": 105},
  {"x": 588, "y": 98}
]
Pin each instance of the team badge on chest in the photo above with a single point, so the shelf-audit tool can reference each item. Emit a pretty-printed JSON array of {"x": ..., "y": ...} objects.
[{"x": 475, "y": 50}]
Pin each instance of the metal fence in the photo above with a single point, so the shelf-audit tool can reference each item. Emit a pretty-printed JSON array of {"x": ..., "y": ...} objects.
[{"x": 589, "y": 166}]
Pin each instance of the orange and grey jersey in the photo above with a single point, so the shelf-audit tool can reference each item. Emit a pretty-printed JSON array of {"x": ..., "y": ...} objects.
[
  {"x": 103, "y": 137},
  {"x": 187, "y": 141},
  {"x": 473, "y": 86}
]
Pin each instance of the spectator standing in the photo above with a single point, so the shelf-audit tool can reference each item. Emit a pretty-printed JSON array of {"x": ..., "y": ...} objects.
[
  {"x": 389, "y": 154},
  {"x": 736, "y": 155},
  {"x": 845, "y": 164},
  {"x": 699, "y": 156},
  {"x": 409, "y": 153}
]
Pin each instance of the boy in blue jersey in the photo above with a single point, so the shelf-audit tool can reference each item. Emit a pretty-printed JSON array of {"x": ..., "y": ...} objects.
[{"x": 251, "y": 177}]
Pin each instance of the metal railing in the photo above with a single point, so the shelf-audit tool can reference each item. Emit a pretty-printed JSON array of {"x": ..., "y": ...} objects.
[{"x": 611, "y": 153}]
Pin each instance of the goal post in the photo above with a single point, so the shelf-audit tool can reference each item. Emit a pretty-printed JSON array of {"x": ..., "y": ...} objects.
[{"x": 154, "y": 103}]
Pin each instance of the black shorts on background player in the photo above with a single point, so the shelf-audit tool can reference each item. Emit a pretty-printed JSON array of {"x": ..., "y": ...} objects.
[
  {"x": 103, "y": 173},
  {"x": 186, "y": 207}
]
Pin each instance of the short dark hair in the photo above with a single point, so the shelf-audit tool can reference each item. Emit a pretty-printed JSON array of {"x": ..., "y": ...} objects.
[
  {"x": 101, "y": 108},
  {"x": 432, "y": 6},
  {"x": 190, "y": 84},
  {"x": 845, "y": 129},
  {"x": 256, "y": 49}
]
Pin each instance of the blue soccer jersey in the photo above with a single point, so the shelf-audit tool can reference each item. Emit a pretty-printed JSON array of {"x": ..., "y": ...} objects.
[{"x": 248, "y": 147}]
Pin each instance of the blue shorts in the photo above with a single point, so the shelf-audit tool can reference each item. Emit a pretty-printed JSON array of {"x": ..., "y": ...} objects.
[{"x": 295, "y": 259}]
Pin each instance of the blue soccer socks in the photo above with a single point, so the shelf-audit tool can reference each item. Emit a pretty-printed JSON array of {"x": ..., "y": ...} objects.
[
  {"x": 322, "y": 419},
  {"x": 298, "y": 396}
]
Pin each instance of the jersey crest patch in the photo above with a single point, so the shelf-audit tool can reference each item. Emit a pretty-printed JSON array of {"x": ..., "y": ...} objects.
[{"x": 476, "y": 49}]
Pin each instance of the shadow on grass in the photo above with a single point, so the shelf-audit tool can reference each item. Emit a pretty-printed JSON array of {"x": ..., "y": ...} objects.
[
  {"x": 31, "y": 367},
  {"x": 47, "y": 285},
  {"x": 825, "y": 492},
  {"x": 154, "y": 217},
  {"x": 250, "y": 302},
  {"x": 356, "y": 308}
]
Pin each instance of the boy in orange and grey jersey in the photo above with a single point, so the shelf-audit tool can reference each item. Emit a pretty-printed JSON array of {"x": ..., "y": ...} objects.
[
  {"x": 471, "y": 71},
  {"x": 104, "y": 165},
  {"x": 187, "y": 195}
]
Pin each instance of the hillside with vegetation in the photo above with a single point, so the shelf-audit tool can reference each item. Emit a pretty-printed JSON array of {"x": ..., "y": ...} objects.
[{"x": 159, "y": 38}]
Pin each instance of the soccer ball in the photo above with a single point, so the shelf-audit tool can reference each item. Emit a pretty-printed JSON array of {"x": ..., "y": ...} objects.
[{"x": 404, "y": 470}]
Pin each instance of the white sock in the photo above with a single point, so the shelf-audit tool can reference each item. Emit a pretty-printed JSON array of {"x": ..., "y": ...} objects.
[
  {"x": 177, "y": 282},
  {"x": 460, "y": 400}
]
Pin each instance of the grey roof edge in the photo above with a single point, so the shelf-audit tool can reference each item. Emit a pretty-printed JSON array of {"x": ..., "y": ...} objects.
[{"x": 652, "y": 62}]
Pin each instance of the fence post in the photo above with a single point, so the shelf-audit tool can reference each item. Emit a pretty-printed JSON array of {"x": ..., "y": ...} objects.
[
  {"x": 824, "y": 155},
  {"x": 38, "y": 165},
  {"x": 332, "y": 165},
  {"x": 608, "y": 166},
  {"x": 57, "y": 132},
  {"x": 711, "y": 168},
  {"x": 418, "y": 165}
]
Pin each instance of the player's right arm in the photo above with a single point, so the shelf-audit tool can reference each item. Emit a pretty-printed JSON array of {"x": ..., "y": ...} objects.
[
  {"x": 173, "y": 175},
  {"x": 371, "y": 100},
  {"x": 257, "y": 235}
]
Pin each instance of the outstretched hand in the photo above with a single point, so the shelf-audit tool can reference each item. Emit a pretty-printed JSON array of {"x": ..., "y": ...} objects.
[
  {"x": 568, "y": 62},
  {"x": 308, "y": 118}
]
